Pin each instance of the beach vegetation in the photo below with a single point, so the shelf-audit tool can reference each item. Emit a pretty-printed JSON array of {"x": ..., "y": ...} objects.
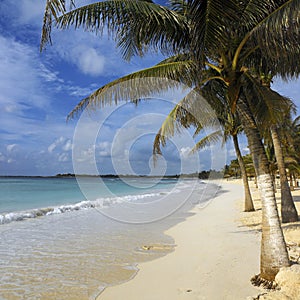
[{"x": 208, "y": 41}]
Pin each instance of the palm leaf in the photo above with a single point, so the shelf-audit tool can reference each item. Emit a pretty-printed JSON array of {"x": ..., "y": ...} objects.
[
  {"x": 53, "y": 9},
  {"x": 192, "y": 110},
  {"x": 135, "y": 24},
  {"x": 208, "y": 140},
  {"x": 139, "y": 85},
  {"x": 268, "y": 106},
  {"x": 277, "y": 35},
  {"x": 209, "y": 27}
]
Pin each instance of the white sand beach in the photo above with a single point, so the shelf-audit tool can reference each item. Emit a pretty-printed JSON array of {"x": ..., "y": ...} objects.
[{"x": 215, "y": 257}]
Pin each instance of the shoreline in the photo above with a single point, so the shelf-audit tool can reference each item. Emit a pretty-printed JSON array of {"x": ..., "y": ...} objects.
[{"x": 205, "y": 264}]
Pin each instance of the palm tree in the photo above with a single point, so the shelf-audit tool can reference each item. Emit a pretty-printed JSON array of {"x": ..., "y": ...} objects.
[
  {"x": 229, "y": 122},
  {"x": 275, "y": 110},
  {"x": 290, "y": 136},
  {"x": 288, "y": 209},
  {"x": 231, "y": 128},
  {"x": 228, "y": 39}
]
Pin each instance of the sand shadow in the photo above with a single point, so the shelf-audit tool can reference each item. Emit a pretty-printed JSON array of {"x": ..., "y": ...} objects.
[
  {"x": 296, "y": 198},
  {"x": 291, "y": 226}
]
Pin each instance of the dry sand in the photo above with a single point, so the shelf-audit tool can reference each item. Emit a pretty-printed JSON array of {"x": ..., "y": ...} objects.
[
  {"x": 215, "y": 257},
  {"x": 288, "y": 279},
  {"x": 253, "y": 219}
]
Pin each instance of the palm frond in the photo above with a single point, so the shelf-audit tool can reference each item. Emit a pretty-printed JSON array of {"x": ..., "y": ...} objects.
[
  {"x": 192, "y": 111},
  {"x": 209, "y": 26},
  {"x": 214, "y": 92},
  {"x": 180, "y": 6},
  {"x": 278, "y": 35},
  {"x": 175, "y": 58},
  {"x": 135, "y": 24},
  {"x": 53, "y": 9},
  {"x": 268, "y": 106},
  {"x": 139, "y": 85},
  {"x": 253, "y": 12},
  {"x": 168, "y": 129},
  {"x": 208, "y": 140}
]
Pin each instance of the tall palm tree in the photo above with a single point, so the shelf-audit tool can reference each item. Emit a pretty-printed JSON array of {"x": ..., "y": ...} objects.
[
  {"x": 229, "y": 122},
  {"x": 226, "y": 38},
  {"x": 232, "y": 129}
]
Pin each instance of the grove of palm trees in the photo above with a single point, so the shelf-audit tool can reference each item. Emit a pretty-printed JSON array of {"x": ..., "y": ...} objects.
[{"x": 226, "y": 51}]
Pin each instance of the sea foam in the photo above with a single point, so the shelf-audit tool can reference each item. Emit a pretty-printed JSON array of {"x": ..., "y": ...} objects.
[{"x": 87, "y": 204}]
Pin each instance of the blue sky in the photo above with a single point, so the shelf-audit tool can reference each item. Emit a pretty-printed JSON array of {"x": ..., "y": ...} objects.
[{"x": 38, "y": 90}]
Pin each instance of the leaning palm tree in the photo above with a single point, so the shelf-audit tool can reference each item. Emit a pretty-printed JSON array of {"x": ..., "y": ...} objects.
[
  {"x": 226, "y": 38},
  {"x": 229, "y": 122},
  {"x": 231, "y": 129}
]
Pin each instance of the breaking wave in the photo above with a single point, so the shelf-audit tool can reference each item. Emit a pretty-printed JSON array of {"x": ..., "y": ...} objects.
[{"x": 98, "y": 203}]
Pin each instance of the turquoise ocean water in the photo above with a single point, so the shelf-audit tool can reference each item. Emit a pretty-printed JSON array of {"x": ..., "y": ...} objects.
[
  {"x": 63, "y": 239},
  {"x": 22, "y": 197}
]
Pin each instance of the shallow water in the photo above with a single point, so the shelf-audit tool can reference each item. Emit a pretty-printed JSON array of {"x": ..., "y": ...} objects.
[
  {"x": 27, "y": 193},
  {"x": 76, "y": 254}
]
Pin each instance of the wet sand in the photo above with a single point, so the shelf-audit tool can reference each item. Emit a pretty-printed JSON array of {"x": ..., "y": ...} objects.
[{"x": 214, "y": 258}]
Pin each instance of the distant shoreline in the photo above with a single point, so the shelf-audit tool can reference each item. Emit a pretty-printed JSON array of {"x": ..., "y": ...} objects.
[
  {"x": 95, "y": 176},
  {"x": 201, "y": 175}
]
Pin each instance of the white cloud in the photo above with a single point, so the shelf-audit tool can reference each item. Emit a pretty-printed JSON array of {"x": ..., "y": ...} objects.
[
  {"x": 2, "y": 157},
  {"x": 56, "y": 143},
  {"x": 19, "y": 79},
  {"x": 104, "y": 149},
  {"x": 51, "y": 147},
  {"x": 92, "y": 55},
  {"x": 10, "y": 161},
  {"x": 68, "y": 145},
  {"x": 11, "y": 147},
  {"x": 89, "y": 61},
  {"x": 245, "y": 150},
  {"x": 185, "y": 152},
  {"x": 25, "y": 12},
  {"x": 63, "y": 157},
  {"x": 49, "y": 76},
  {"x": 86, "y": 155},
  {"x": 31, "y": 11}
]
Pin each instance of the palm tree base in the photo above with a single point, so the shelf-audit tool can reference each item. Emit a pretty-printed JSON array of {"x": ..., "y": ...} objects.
[
  {"x": 289, "y": 213},
  {"x": 249, "y": 210},
  {"x": 266, "y": 284}
]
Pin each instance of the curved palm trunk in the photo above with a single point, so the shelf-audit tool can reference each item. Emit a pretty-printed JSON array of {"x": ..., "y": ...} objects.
[
  {"x": 288, "y": 210},
  {"x": 274, "y": 254},
  {"x": 248, "y": 198}
]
